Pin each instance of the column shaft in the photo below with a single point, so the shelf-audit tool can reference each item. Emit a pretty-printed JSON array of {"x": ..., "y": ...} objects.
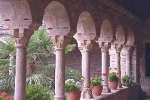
[
  {"x": 86, "y": 92},
  {"x": 105, "y": 72},
  {"x": 60, "y": 75},
  {"x": 82, "y": 62},
  {"x": 118, "y": 69},
  {"x": 86, "y": 70},
  {"x": 128, "y": 64},
  {"x": 20, "y": 77}
]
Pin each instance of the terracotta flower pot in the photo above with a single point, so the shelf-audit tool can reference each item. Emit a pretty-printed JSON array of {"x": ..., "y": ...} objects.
[
  {"x": 97, "y": 90},
  {"x": 113, "y": 84},
  {"x": 74, "y": 95}
]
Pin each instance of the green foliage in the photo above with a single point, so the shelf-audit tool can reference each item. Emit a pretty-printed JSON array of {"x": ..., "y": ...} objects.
[
  {"x": 71, "y": 73},
  {"x": 70, "y": 47},
  {"x": 7, "y": 47},
  {"x": 37, "y": 92},
  {"x": 112, "y": 77},
  {"x": 6, "y": 80},
  {"x": 40, "y": 44},
  {"x": 95, "y": 81},
  {"x": 39, "y": 79},
  {"x": 127, "y": 81},
  {"x": 70, "y": 86}
]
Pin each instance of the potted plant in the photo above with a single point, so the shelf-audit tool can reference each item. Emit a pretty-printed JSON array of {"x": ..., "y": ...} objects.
[
  {"x": 72, "y": 89},
  {"x": 96, "y": 85},
  {"x": 127, "y": 81},
  {"x": 113, "y": 80}
]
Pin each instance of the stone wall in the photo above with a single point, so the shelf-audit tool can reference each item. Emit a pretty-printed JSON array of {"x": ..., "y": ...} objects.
[{"x": 132, "y": 93}]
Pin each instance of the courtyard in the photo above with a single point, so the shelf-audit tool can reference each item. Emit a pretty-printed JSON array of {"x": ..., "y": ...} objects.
[{"x": 46, "y": 42}]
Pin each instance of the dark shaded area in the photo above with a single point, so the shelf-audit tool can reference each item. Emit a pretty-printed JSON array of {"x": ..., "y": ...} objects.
[
  {"x": 147, "y": 60},
  {"x": 141, "y": 8}
]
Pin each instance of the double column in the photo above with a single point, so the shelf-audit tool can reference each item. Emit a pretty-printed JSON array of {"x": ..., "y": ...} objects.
[
  {"x": 60, "y": 43},
  {"x": 128, "y": 60},
  {"x": 85, "y": 47},
  {"x": 21, "y": 42},
  {"x": 118, "y": 50},
  {"x": 104, "y": 49}
]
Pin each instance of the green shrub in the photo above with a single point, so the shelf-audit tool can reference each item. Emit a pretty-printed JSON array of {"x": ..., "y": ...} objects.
[
  {"x": 127, "y": 81},
  {"x": 113, "y": 77},
  {"x": 71, "y": 86},
  {"x": 37, "y": 92},
  {"x": 95, "y": 81}
]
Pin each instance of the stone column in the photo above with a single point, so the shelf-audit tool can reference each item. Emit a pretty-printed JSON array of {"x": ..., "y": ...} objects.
[
  {"x": 128, "y": 61},
  {"x": 86, "y": 92},
  {"x": 60, "y": 45},
  {"x": 21, "y": 41},
  {"x": 118, "y": 50},
  {"x": 82, "y": 61},
  {"x": 104, "y": 50}
]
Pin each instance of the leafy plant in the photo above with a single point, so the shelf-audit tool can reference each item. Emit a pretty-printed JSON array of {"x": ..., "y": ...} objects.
[
  {"x": 71, "y": 86},
  {"x": 37, "y": 92},
  {"x": 127, "y": 81},
  {"x": 70, "y": 47},
  {"x": 71, "y": 73},
  {"x": 7, "y": 47},
  {"x": 95, "y": 81},
  {"x": 6, "y": 80},
  {"x": 113, "y": 77}
]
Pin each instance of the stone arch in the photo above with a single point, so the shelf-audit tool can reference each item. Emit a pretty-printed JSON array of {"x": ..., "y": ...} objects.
[
  {"x": 106, "y": 33},
  {"x": 15, "y": 14},
  {"x": 56, "y": 19},
  {"x": 85, "y": 27},
  {"x": 130, "y": 37},
  {"x": 120, "y": 36}
]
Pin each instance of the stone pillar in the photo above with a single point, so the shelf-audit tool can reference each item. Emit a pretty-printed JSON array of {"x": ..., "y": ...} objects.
[
  {"x": 60, "y": 45},
  {"x": 118, "y": 50},
  {"x": 128, "y": 61},
  {"x": 86, "y": 91},
  {"x": 104, "y": 50},
  {"x": 21, "y": 42},
  {"x": 82, "y": 62}
]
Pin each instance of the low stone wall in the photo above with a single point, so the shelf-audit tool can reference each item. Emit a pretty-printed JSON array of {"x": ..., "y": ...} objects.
[{"x": 132, "y": 93}]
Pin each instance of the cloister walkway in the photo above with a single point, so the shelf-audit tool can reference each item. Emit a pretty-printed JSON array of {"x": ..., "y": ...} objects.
[{"x": 102, "y": 22}]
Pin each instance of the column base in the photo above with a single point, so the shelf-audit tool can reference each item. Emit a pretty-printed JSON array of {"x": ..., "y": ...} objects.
[
  {"x": 86, "y": 94},
  {"x": 59, "y": 98},
  {"x": 106, "y": 89},
  {"x": 119, "y": 85}
]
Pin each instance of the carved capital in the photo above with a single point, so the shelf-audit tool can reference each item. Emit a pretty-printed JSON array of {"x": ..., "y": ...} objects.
[
  {"x": 115, "y": 48},
  {"x": 118, "y": 49},
  {"x": 128, "y": 49},
  {"x": 85, "y": 45},
  {"x": 22, "y": 37},
  {"x": 60, "y": 42},
  {"x": 104, "y": 46}
]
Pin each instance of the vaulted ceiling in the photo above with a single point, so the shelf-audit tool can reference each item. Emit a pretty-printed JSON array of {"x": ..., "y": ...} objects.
[{"x": 141, "y": 8}]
